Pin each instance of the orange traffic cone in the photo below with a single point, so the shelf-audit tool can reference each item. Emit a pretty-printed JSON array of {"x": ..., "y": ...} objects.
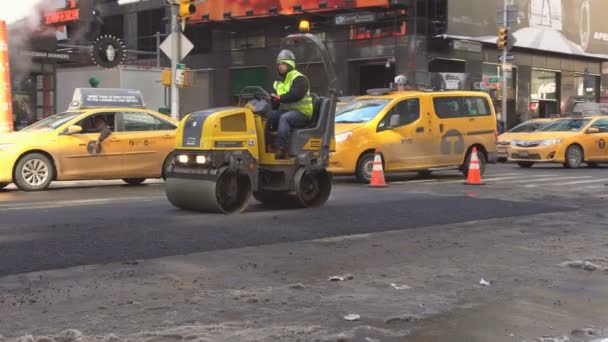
[
  {"x": 474, "y": 174},
  {"x": 377, "y": 173}
]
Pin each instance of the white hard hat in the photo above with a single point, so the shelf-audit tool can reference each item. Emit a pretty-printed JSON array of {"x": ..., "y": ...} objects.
[{"x": 400, "y": 79}]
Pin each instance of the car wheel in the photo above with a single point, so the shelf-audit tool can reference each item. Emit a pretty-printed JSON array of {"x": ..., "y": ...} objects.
[
  {"x": 365, "y": 167},
  {"x": 525, "y": 164},
  {"x": 133, "y": 181},
  {"x": 34, "y": 172},
  {"x": 574, "y": 157},
  {"x": 482, "y": 163},
  {"x": 3, "y": 185},
  {"x": 166, "y": 165}
]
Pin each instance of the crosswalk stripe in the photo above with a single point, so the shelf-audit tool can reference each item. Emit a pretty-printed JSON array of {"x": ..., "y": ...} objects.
[
  {"x": 485, "y": 179},
  {"x": 599, "y": 180},
  {"x": 548, "y": 179}
]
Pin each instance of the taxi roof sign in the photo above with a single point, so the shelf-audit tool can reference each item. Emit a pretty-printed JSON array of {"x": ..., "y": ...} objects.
[{"x": 86, "y": 98}]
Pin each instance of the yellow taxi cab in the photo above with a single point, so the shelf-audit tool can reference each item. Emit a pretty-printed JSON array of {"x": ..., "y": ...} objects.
[
  {"x": 569, "y": 141},
  {"x": 517, "y": 132},
  {"x": 65, "y": 146},
  {"x": 414, "y": 131}
]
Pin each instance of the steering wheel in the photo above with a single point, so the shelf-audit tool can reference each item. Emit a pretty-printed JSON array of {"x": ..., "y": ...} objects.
[{"x": 255, "y": 92}]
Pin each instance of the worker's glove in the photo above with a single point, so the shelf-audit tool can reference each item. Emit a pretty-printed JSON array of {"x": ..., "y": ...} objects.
[{"x": 275, "y": 99}]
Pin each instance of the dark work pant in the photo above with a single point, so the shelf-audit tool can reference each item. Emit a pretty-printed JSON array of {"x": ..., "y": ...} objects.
[{"x": 283, "y": 121}]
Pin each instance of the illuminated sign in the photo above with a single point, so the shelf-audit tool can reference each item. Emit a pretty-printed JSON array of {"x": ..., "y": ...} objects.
[
  {"x": 221, "y": 10},
  {"x": 62, "y": 16}
]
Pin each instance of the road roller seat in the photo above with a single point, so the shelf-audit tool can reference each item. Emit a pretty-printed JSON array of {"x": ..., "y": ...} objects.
[{"x": 314, "y": 129}]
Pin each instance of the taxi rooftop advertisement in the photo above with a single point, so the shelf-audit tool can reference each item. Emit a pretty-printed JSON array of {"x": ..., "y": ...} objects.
[
  {"x": 95, "y": 98},
  {"x": 216, "y": 10}
]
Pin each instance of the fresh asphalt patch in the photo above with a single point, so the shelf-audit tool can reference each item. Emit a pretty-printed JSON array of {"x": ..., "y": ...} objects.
[{"x": 97, "y": 233}]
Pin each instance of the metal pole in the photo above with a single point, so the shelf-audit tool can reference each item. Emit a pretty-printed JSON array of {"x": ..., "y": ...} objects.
[
  {"x": 158, "y": 49},
  {"x": 175, "y": 58},
  {"x": 504, "y": 72}
]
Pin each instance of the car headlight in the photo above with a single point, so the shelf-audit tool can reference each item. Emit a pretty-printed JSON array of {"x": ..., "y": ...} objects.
[
  {"x": 5, "y": 147},
  {"x": 514, "y": 142},
  {"x": 344, "y": 136},
  {"x": 550, "y": 142},
  {"x": 201, "y": 159}
]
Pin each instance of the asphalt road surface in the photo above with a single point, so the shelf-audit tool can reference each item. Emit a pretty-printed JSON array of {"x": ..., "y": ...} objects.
[{"x": 80, "y": 223}]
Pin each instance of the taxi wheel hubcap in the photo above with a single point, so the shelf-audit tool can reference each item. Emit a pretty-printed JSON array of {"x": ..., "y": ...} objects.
[
  {"x": 368, "y": 168},
  {"x": 574, "y": 156},
  {"x": 35, "y": 172}
]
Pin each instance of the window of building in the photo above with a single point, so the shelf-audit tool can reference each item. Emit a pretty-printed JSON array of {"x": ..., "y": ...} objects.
[
  {"x": 148, "y": 23},
  {"x": 388, "y": 24},
  {"x": 242, "y": 40},
  {"x": 201, "y": 37},
  {"x": 113, "y": 25}
]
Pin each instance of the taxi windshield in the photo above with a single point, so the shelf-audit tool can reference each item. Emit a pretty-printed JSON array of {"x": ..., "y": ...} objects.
[
  {"x": 528, "y": 126},
  {"x": 566, "y": 125},
  {"x": 52, "y": 122},
  {"x": 359, "y": 111}
]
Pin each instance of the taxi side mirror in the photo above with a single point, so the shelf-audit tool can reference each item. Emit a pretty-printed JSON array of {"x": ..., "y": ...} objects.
[
  {"x": 74, "y": 129},
  {"x": 593, "y": 130}
]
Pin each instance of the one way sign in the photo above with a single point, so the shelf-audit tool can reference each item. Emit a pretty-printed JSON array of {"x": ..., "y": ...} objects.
[{"x": 510, "y": 57}]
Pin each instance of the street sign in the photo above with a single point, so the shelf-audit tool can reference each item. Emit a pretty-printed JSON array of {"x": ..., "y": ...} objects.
[
  {"x": 184, "y": 43},
  {"x": 180, "y": 74},
  {"x": 508, "y": 67},
  {"x": 510, "y": 57}
]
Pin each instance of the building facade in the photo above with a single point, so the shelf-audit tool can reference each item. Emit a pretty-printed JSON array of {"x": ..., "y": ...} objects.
[{"x": 560, "y": 55}]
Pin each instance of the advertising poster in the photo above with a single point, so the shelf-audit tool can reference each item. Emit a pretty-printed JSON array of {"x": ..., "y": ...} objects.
[
  {"x": 575, "y": 27},
  {"x": 239, "y": 8},
  {"x": 448, "y": 81}
]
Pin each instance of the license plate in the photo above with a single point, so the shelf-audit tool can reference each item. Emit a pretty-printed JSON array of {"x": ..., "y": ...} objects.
[{"x": 523, "y": 154}]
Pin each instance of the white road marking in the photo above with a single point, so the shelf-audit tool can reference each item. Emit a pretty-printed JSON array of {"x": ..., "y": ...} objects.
[
  {"x": 74, "y": 203},
  {"x": 484, "y": 179},
  {"x": 599, "y": 180},
  {"x": 549, "y": 179}
]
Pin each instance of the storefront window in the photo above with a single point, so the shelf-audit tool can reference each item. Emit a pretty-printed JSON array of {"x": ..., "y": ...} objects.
[{"x": 544, "y": 85}]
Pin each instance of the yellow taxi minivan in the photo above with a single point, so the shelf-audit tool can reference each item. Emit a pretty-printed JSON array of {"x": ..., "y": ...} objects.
[
  {"x": 570, "y": 141},
  {"x": 65, "y": 146},
  {"x": 414, "y": 131}
]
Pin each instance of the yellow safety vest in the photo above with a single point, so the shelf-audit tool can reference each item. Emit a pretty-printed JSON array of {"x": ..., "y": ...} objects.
[{"x": 304, "y": 106}]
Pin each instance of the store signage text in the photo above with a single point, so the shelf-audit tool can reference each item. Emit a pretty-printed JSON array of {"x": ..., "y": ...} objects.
[
  {"x": 62, "y": 16},
  {"x": 355, "y": 18},
  {"x": 51, "y": 55}
]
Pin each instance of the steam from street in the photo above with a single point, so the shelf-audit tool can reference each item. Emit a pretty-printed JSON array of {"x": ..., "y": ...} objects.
[{"x": 13, "y": 11}]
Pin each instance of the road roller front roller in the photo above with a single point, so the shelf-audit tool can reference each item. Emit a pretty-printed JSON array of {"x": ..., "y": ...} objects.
[{"x": 221, "y": 160}]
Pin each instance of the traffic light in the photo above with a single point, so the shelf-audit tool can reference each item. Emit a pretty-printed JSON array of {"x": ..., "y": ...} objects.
[
  {"x": 186, "y": 8},
  {"x": 503, "y": 32}
]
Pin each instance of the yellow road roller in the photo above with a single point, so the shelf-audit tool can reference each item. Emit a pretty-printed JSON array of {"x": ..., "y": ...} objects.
[{"x": 220, "y": 160}]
